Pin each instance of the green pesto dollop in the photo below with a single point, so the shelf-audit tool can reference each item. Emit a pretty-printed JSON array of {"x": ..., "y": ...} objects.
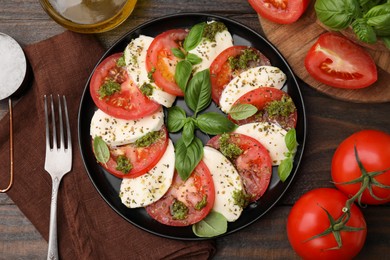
[
  {"x": 148, "y": 139},
  {"x": 109, "y": 88},
  {"x": 241, "y": 61},
  {"x": 211, "y": 29},
  {"x": 283, "y": 107},
  {"x": 147, "y": 89},
  {"x": 121, "y": 61},
  {"x": 230, "y": 150},
  {"x": 123, "y": 164},
  {"x": 241, "y": 198},
  {"x": 150, "y": 75},
  {"x": 179, "y": 210},
  {"x": 201, "y": 204}
]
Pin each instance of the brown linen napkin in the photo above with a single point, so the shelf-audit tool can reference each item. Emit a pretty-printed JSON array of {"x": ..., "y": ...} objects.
[{"x": 87, "y": 227}]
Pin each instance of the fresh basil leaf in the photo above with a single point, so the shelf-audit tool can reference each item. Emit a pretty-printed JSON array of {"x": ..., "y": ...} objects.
[
  {"x": 194, "y": 59},
  {"x": 214, "y": 123},
  {"x": 291, "y": 140},
  {"x": 178, "y": 53},
  {"x": 337, "y": 14},
  {"x": 194, "y": 37},
  {"x": 363, "y": 31},
  {"x": 285, "y": 168},
  {"x": 188, "y": 132},
  {"x": 183, "y": 73},
  {"x": 175, "y": 119},
  {"x": 242, "y": 111},
  {"x": 212, "y": 225},
  {"x": 379, "y": 18},
  {"x": 100, "y": 149},
  {"x": 187, "y": 157},
  {"x": 198, "y": 92}
]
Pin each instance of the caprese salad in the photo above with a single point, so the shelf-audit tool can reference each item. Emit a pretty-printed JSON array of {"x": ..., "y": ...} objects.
[{"x": 190, "y": 182}]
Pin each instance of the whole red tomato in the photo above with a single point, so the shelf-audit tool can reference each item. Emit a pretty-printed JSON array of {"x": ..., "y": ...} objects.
[
  {"x": 308, "y": 218},
  {"x": 373, "y": 151}
]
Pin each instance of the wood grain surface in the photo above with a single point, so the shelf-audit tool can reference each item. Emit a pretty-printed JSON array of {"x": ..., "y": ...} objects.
[
  {"x": 329, "y": 122},
  {"x": 294, "y": 41}
]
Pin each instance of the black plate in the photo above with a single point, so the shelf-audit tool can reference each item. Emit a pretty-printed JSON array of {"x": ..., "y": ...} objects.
[{"x": 108, "y": 186}]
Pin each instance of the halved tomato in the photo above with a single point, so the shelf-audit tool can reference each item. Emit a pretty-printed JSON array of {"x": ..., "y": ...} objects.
[
  {"x": 161, "y": 62},
  {"x": 336, "y": 61},
  {"x": 280, "y": 11},
  {"x": 274, "y": 106},
  {"x": 114, "y": 93},
  {"x": 142, "y": 159},
  {"x": 186, "y": 202},
  {"x": 221, "y": 71},
  {"x": 254, "y": 164}
]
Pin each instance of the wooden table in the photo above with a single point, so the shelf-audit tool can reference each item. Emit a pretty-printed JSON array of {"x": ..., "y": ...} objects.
[{"x": 329, "y": 122}]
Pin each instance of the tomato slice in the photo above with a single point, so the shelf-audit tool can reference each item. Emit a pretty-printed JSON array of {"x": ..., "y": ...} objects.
[
  {"x": 142, "y": 159},
  {"x": 128, "y": 102},
  {"x": 280, "y": 11},
  {"x": 254, "y": 165},
  {"x": 162, "y": 63},
  {"x": 274, "y": 106},
  {"x": 197, "y": 188},
  {"x": 336, "y": 61},
  {"x": 222, "y": 73}
]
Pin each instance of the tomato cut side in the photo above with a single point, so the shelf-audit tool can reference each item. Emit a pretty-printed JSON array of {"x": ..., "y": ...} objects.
[
  {"x": 254, "y": 165},
  {"x": 274, "y": 106},
  {"x": 142, "y": 159},
  {"x": 221, "y": 72},
  {"x": 127, "y": 103},
  {"x": 161, "y": 62},
  {"x": 336, "y": 61},
  {"x": 199, "y": 186},
  {"x": 280, "y": 11}
]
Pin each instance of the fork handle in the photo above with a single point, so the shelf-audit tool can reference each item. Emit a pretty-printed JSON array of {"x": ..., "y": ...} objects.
[{"x": 52, "y": 253}]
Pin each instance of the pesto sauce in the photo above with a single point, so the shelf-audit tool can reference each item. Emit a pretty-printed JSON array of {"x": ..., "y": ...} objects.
[
  {"x": 121, "y": 61},
  {"x": 283, "y": 107},
  {"x": 241, "y": 61},
  {"x": 148, "y": 139},
  {"x": 241, "y": 198},
  {"x": 147, "y": 89},
  {"x": 231, "y": 151},
  {"x": 179, "y": 210},
  {"x": 211, "y": 29},
  {"x": 109, "y": 88},
  {"x": 201, "y": 204},
  {"x": 123, "y": 164}
]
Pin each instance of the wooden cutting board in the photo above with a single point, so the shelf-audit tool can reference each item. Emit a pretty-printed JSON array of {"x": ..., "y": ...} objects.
[{"x": 294, "y": 40}]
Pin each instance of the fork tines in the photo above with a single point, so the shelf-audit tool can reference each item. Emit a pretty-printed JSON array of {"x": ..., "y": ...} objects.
[{"x": 53, "y": 143}]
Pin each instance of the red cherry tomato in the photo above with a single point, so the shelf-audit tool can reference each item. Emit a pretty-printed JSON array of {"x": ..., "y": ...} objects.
[
  {"x": 197, "y": 188},
  {"x": 373, "y": 149},
  {"x": 162, "y": 63},
  {"x": 280, "y": 11},
  {"x": 308, "y": 218},
  {"x": 128, "y": 103},
  {"x": 336, "y": 61}
]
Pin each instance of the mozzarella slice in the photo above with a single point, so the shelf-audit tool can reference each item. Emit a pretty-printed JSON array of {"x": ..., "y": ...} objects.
[
  {"x": 209, "y": 50},
  {"x": 116, "y": 131},
  {"x": 262, "y": 76},
  {"x": 150, "y": 187},
  {"x": 226, "y": 181},
  {"x": 270, "y": 135},
  {"x": 135, "y": 59}
]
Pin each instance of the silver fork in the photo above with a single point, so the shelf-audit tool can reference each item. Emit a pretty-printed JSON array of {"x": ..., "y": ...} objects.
[{"x": 58, "y": 162}]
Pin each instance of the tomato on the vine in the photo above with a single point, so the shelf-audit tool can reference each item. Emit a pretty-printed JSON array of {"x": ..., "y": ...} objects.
[
  {"x": 373, "y": 152},
  {"x": 308, "y": 221}
]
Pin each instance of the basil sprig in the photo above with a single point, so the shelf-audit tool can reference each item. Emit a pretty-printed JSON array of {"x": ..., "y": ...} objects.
[
  {"x": 286, "y": 165},
  {"x": 242, "y": 111},
  {"x": 101, "y": 151},
  {"x": 187, "y": 157},
  {"x": 212, "y": 225},
  {"x": 368, "y": 19},
  {"x": 184, "y": 66}
]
